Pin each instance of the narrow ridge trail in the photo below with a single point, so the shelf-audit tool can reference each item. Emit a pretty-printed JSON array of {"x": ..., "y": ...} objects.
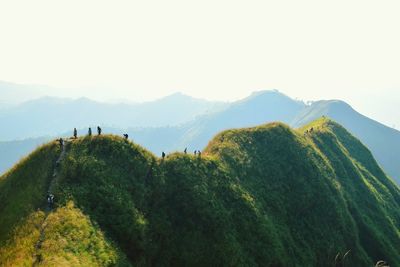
[{"x": 49, "y": 208}]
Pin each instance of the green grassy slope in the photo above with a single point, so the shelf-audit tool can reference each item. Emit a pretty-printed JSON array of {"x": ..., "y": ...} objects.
[
  {"x": 263, "y": 196},
  {"x": 70, "y": 238},
  {"x": 22, "y": 188}
]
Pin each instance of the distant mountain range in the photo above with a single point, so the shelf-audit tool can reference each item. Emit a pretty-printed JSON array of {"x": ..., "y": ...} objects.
[
  {"x": 12, "y": 94},
  {"x": 179, "y": 121},
  {"x": 52, "y": 116}
]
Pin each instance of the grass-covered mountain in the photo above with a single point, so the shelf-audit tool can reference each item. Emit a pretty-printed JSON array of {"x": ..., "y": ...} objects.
[{"x": 262, "y": 196}]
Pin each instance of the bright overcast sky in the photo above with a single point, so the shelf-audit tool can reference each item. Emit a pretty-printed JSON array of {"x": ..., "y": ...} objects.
[{"x": 141, "y": 50}]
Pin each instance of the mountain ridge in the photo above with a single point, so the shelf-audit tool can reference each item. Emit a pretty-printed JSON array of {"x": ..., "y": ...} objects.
[{"x": 264, "y": 195}]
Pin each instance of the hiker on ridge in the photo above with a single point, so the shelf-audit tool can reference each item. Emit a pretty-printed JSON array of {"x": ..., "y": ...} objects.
[
  {"x": 50, "y": 200},
  {"x": 90, "y": 131},
  {"x": 185, "y": 151},
  {"x": 75, "y": 133},
  {"x": 163, "y": 155},
  {"x": 98, "y": 130},
  {"x": 61, "y": 142}
]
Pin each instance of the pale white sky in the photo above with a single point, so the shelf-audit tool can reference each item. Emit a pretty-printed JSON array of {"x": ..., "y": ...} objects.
[{"x": 140, "y": 50}]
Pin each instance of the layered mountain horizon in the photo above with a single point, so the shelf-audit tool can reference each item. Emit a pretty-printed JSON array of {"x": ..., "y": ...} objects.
[{"x": 178, "y": 121}]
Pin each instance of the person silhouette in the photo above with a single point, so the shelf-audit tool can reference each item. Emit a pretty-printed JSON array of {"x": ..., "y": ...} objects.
[
  {"x": 185, "y": 151},
  {"x": 75, "y": 133},
  {"x": 98, "y": 130},
  {"x": 163, "y": 155},
  {"x": 50, "y": 199},
  {"x": 90, "y": 131}
]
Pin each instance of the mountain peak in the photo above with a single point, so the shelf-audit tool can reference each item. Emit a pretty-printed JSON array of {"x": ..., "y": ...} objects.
[
  {"x": 177, "y": 96},
  {"x": 262, "y": 93},
  {"x": 271, "y": 96},
  {"x": 330, "y": 104},
  {"x": 321, "y": 123}
]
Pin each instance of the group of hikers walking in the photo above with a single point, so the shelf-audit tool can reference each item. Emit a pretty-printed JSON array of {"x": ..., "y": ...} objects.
[
  {"x": 50, "y": 197},
  {"x": 89, "y": 132},
  {"x": 196, "y": 153},
  {"x": 99, "y": 131},
  {"x": 126, "y": 136},
  {"x": 310, "y": 131}
]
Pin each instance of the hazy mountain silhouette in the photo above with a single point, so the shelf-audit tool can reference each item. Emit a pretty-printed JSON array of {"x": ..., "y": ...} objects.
[
  {"x": 12, "y": 94},
  {"x": 51, "y": 116}
]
